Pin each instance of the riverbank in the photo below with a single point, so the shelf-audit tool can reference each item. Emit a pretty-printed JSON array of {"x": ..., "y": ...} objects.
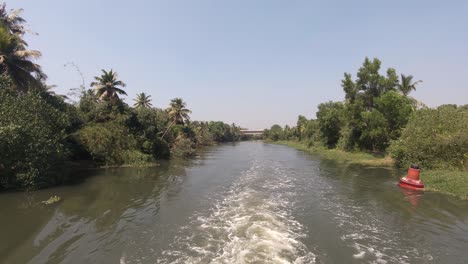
[
  {"x": 360, "y": 158},
  {"x": 451, "y": 182},
  {"x": 448, "y": 182},
  {"x": 311, "y": 213}
]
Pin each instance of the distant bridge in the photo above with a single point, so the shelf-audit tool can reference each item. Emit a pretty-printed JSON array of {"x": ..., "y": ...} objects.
[{"x": 252, "y": 132}]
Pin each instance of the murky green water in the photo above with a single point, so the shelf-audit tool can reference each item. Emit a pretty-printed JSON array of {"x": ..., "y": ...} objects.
[{"x": 245, "y": 203}]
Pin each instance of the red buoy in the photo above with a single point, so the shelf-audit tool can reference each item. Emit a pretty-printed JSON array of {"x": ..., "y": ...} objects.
[{"x": 411, "y": 180}]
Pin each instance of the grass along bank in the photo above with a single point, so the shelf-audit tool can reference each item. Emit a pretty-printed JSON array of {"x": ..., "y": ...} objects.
[
  {"x": 361, "y": 158},
  {"x": 451, "y": 182}
]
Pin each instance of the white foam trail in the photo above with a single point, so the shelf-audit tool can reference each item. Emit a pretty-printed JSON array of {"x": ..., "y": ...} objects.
[{"x": 252, "y": 224}]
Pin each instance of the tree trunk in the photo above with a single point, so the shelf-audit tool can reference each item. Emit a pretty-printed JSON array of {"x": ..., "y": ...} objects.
[{"x": 167, "y": 129}]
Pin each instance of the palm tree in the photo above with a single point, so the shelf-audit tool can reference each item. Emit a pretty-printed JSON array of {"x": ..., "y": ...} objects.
[
  {"x": 16, "y": 62},
  {"x": 12, "y": 20},
  {"x": 178, "y": 113},
  {"x": 49, "y": 90},
  {"x": 407, "y": 84},
  {"x": 107, "y": 86},
  {"x": 142, "y": 101}
]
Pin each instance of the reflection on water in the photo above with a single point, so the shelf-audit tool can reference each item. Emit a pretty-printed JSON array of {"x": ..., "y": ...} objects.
[
  {"x": 245, "y": 203},
  {"x": 413, "y": 196},
  {"x": 97, "y": 213}
]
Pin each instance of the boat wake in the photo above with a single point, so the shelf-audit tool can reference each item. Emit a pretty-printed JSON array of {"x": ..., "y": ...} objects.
[{"x": 251, "y": 224}]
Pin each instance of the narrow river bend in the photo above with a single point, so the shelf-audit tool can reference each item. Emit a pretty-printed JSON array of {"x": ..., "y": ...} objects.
[{"x": 249, "y": 202}]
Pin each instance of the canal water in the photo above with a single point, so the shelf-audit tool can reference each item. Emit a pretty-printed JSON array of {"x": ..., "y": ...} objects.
[{"x": 249, "y": 202}]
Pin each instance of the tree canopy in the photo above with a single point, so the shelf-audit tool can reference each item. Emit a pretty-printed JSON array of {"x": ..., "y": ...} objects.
[{"x": 108, "y": 86}]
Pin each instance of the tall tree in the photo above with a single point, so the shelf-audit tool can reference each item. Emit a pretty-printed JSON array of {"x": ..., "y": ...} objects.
[
  {"x": 407, "y": 85},
  {"x": 49, "y": 90},
  {"x": 178, "y": 113},
  {"x": 107, "y": 86},
  {"x": 12, "y": 20},
  {"x": 369, "y": 80},
  {"x": 301, "y": 126},
  {"x": 275, "y": 133},
  {"x": 390, "y": 83},
  {"x": 330, "y": 118},
  {"x": 142, "y": 101},
  {"x": 349, "y": 87},
  {"x": 16, "y": 62}
]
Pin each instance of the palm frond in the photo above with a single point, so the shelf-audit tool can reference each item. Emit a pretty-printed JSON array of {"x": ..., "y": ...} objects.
[
  {"x": 106, "y": 85},
  {"x": 119, "y": 91}
]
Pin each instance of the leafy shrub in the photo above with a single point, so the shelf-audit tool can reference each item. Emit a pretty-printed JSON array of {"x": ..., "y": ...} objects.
[
  {"x": 274, "y": 133},
  {"x": 183, "y": 146},
  {"x": 396, "y": 109},
  {"x": 91, "y": 110},
  {"x": 346, "y": 142},
  {"x": 221, "y": 132},
  {"x": 135, "y": 157},
  {"x": 110, "y": 143},
  {"x": 434, "y": 138},
  {"x": 330, "y": 118},
  {"x": 31, "y": 140},
  {"x": 374, "y": 132},
  {"x": 147, "y": 127}
]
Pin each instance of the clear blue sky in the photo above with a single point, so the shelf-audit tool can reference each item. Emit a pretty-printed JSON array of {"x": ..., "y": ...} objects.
[{"x": 254, "y": 63}]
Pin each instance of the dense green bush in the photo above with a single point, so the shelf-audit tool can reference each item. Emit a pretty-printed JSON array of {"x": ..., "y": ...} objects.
[
  {"x": 32, "y": 136},
  {"x": 222, "y": 132},
  {"x": 310, "y": 131},
  {"x": 183, "y": 147},
  {"x": 346, "y": 142},
  {"x": 40, "y": 130},
  {"x": 111, "y": 143},
  {"x": 396, "y": 109},
  {"x": 203, "y": 136},
  {"x": 118, "y": 134},
  {"x": 90, "y": 109},
  {"x": 434, "y": 138},
  {"x": 149, "y": 123},
  {"x": 374, "y": 131},
  {"x": 375, "y": 110},
  {"x": 330, "y": 117},
  {"x": 274, "y": 133}
]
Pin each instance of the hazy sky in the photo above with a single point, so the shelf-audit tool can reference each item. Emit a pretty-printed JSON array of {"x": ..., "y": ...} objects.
[{"x": 251, "y": 62}]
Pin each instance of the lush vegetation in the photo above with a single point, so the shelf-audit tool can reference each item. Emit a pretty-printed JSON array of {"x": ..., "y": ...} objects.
[
  {"x": 453, "y": 182},
  {"x": 32, "y": 139},
  {"x": 361, "y": 158},
  {"x": 375, "y": 110},
  {"x": 378, "y": 123},
  {"x": 435, "y": 139},
  {"x": 40, "y": 132}
]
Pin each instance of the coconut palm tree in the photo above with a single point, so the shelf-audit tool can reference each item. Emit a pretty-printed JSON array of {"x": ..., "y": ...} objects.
[
  {"x": 178, "y": 113},
  {"x": 49, "y": 90},
  {"x": 107, "y": 86},
  {"x": 142, "y": 101},
  {"x": 16, "y": 62},
  {"x": 12, "y": 20},
  {"x": 407, "y": 84}
]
